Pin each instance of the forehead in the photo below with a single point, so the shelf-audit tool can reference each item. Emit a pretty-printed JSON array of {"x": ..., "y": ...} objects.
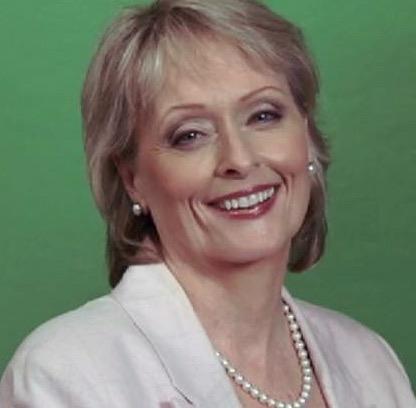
[{"x": 218, "y": 71}]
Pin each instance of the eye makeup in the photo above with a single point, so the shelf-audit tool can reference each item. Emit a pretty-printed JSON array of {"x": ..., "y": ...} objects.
[
  {"x": 195, "y": 128},
  {"x": 185, "y": 135},
  {"x": 265, "y": 112}
]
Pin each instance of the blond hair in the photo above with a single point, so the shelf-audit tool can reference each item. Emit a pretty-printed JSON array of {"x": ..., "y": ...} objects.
[{"x": 125, "y": 76}]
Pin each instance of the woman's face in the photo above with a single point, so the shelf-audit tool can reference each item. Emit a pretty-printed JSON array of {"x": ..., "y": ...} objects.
[{"x": 222, "y": 165}]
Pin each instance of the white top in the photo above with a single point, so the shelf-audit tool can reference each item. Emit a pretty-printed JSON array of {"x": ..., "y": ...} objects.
[{"x": 143, "y": 346}]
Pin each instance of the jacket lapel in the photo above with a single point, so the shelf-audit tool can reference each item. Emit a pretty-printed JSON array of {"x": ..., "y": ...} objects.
[
  {"x": 339, "y": 389},
  {"x": 160, "y": 309}
]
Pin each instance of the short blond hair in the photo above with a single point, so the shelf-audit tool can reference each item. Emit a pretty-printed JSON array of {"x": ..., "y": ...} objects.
[{"x": 125, "y": 76}]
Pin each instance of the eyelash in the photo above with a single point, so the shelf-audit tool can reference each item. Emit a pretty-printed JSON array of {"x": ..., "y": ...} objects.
[{"x": 182, "y": 139}]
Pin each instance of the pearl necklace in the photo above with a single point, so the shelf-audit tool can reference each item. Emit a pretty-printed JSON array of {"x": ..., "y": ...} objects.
[{"x": 304, "y": 363}]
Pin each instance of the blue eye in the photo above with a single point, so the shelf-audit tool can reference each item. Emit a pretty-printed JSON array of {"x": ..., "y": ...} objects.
[{"x": 265, "y": 116}]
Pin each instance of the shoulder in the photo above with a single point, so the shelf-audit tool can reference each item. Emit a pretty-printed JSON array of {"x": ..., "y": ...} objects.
[
  {"x": 335, "y": 325},
  {"x": 99, "y": 328},
  {"x": 73, "y": 358},
  {"x": 353, "y": 348},
  {"x": 90, "y": 323}
]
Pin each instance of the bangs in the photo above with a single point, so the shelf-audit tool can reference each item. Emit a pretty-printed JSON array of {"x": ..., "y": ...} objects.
[{"x": 179, "y": 41}]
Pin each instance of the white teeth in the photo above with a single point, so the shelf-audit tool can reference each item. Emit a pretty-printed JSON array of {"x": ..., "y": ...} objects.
[
  {"x": 248, "y": 201},
  {"x": 253, "y": 199},
  {"x": 243, "y": 202},
  {"x": 260, "y": 197}
]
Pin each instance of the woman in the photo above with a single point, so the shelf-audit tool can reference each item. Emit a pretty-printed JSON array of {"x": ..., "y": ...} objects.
[{"x": 207, "y": 165}]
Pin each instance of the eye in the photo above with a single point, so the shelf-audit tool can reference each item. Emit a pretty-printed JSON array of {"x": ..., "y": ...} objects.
[
  {"x": 186, "y": 139},
  {"x": 265, "y": 116}
]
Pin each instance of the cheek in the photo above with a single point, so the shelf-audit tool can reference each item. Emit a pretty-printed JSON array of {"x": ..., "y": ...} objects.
[
  {"x": 288, "y": 153},
  {"x": 173, "y": 178}
]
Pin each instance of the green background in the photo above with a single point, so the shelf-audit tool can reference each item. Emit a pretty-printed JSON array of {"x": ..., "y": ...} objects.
[{"x": 51, "y": 238}]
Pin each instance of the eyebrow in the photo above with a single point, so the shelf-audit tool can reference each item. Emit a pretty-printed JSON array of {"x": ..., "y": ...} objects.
[
  {"x": 244, "y": 98},
  {"x": 260, "y": 90}
]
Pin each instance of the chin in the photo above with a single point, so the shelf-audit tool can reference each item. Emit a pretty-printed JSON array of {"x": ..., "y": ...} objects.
[{"x": 250, "y": 252}]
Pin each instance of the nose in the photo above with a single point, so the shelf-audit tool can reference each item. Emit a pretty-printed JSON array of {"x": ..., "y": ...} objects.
[{"x": 236, "y": 157}]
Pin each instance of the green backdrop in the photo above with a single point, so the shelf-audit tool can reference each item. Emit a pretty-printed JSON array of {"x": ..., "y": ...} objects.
[{"x": 51, "y": 238}]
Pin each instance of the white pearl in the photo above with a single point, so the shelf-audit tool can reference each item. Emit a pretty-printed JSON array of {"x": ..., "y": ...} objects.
[
  {"x": 225, "y": 362},
  {"x": 307, "y": 371},
  {"x": 307, "y": 379},
  {"x": 293, "y": 327},
  {"x": 307, "y": 374},
  {"x": 312, "y": 167},
  {"x": 239, "y": 379},
  {"x": 305, "y": 363},
  {"x": 246, "y": 386},
  {"x": 137, "y": 209},
  {"x": 263, "y": 398},
  {"x": 231, "y": 371},
  {"x": 307, "y": 387}
]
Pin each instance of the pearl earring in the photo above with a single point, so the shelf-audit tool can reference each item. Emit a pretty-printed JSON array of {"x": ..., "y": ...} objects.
[
  {"x": 137, "y": 209},
  {"x": 312, "y": 167}
]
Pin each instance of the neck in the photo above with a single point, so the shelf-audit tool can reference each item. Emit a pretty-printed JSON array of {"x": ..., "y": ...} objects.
[{"x": 239, "y": 306}]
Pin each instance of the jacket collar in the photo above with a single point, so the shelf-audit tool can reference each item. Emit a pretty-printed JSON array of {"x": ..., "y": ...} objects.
[
  {"x": 322, "y": 367},
  {"x": 161, "y": 310},
  {"x": 339, "y": 387}
]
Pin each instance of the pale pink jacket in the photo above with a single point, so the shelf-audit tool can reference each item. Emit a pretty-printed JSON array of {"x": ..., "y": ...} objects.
[{"x": 143, "y": 346}]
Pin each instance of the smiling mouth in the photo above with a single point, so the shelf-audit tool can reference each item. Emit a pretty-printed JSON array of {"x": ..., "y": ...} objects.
[{"x": 246, "y": 202}]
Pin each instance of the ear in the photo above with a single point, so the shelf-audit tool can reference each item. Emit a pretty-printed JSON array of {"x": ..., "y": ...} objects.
[
  {"x": 311, "y": 148},
  {"x": 130, "y": 179}
]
